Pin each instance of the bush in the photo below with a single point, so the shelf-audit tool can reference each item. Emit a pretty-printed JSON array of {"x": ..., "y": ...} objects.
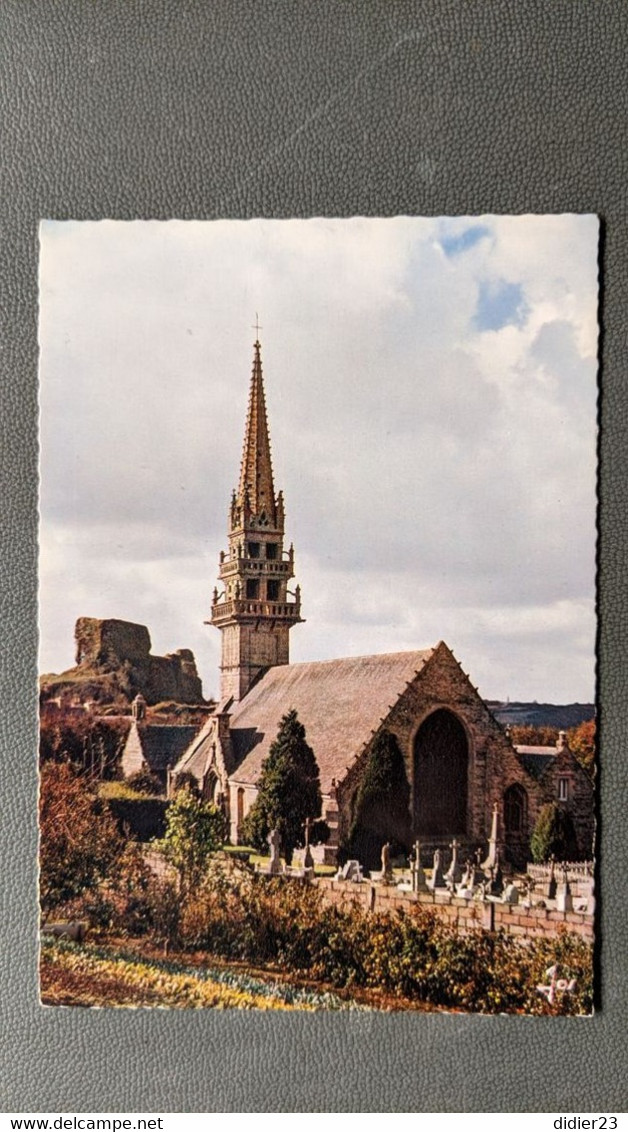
[
  {"x": 184, "y": 780},
  {"x": 553, "y": 835},
  {"x": 412, "y": 955},
  {"x": 122, "y": 900},
  {"x": 137, "y": 816},
  {"x": 92, "y": 744},
  {"x": 194, "y": 831},
  {"x": 145, "y": 782},
  {"x": 79, "y": 842}
]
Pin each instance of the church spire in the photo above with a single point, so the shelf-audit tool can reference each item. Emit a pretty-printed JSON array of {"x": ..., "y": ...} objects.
[
  {"x": 256, "y": 473},
  {"x": 254, "y": 608}
]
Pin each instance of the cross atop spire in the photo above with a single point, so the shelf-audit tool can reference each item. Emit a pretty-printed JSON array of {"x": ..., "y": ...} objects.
[
  {"x": 256, "y": 473},
  {"x": 257, "y": 327}
]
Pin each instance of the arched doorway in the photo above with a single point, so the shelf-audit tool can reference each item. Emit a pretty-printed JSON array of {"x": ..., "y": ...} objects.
[
  {"x": 515, "y": 809},
  {"x": 441, "y": 757}
]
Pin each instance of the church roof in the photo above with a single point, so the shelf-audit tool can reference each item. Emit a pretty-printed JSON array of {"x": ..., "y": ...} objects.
[{"x": 339, "y": 702}]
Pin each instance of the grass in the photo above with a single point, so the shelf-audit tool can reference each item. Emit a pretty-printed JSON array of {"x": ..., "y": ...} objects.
[
  {"x": 113, "y": 790},
  {"x": 89, "y": 975}
]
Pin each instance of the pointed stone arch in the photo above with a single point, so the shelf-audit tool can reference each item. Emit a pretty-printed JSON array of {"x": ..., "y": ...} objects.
[
  {"x": 441, "y": 772},
  {"x": 515, "y": 809}
]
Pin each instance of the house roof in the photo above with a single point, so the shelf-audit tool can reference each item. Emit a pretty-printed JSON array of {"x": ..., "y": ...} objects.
[
  {"x": 163, "y": 745},
  {"x": 341, "y": 703},
  {"x": 536, "y": 760}
]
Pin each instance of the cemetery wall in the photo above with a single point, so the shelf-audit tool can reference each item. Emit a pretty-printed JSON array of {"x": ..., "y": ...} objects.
[{"x": 455, "y": 910}]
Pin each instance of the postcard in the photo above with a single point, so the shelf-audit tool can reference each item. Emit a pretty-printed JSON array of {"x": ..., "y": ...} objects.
[{"x": 317, "y": 613}]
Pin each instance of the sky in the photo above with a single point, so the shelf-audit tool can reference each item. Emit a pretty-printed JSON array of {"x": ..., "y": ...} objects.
[{"x": 431, "y": 387}]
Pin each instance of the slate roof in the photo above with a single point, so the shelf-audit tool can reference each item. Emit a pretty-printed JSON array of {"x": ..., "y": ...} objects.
[
  {"x": 163, "y": 745},
  {"x": 536, "y": 760},
  {"x": 339, "y": 702}
]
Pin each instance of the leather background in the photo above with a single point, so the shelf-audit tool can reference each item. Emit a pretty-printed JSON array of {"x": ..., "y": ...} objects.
[{"x": 159, "y": 108}]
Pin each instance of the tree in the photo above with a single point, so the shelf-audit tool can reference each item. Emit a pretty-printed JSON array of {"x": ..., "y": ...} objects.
[
  {"x": 581, "y": 741},
  {"x": 289, "y": 792},
  {"x": 195, "y": 829},
  {"x": 553, "y": 835},
  {"x": 382, "y": 806},
  {"x": 531, "y": 735},
  {"x": 79, "y": 841}
]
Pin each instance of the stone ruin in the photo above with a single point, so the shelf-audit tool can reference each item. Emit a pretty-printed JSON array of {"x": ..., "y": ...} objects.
[{"x": 114, "y": 662}]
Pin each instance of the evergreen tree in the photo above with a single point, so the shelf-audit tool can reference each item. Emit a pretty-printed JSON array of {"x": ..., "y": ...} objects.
[
  {"x": 553, "y": 835},
  {"x": 289, "y": 792},
  {"x": 382, "y": 808}
]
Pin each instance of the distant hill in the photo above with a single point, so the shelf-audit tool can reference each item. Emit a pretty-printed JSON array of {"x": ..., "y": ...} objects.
[{"x": 561, "y": 716}]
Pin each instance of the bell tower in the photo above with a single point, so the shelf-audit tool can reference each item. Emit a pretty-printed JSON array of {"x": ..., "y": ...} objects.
[{"x": 254, "y": 610}]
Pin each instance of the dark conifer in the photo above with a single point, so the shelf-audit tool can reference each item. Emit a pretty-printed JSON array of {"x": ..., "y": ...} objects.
[
  {"x": 289, "y": 791},
  {"x": 382, "y": 811}
]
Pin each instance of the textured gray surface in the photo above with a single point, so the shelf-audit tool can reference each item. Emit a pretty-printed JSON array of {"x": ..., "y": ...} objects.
[{"x": 199, "y": 109}]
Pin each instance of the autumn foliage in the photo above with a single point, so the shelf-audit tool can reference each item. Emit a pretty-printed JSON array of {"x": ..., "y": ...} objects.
[{"x": 79, "y": 841}]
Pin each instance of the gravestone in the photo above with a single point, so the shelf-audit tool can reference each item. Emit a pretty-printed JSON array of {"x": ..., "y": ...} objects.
[
  {"x": 274, "y": 866},
  {"x": 564, "y": 899},
  {"x": 308, "y": 860},
  {"x": 551, "y": 888},
  {"x": 386, "y": 875},
  {"x": 491, "y": 858},
  {"x": 351, "y": 870},
  {"x": 510, "y": 894},
  {"x": 437, "y": 879},
  {"x": 453, "y": 875},
  {"x": 419, "y": 883}
]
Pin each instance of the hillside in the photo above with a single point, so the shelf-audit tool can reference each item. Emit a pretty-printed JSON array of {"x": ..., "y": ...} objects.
[{"x": 560, "y": 716}]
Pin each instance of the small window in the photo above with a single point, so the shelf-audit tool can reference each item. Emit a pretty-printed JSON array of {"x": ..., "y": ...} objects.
[
  {"x": 563, "y": 789},
  {"x": 272, "y": 590},
  {"x": 272, "y": 550},
  {"x": 253, "y": 550},
  {"x": 252, "y": 587}
]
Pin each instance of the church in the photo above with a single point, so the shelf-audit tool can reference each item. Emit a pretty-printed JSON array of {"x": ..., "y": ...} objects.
[{"x": 459, "y": 761}]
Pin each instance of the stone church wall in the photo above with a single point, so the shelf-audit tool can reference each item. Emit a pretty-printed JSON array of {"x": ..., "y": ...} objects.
[{"x": 492, "y": 763}]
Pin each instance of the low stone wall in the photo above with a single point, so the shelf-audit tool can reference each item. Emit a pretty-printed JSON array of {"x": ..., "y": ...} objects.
[{"x": 460, "y": 913}]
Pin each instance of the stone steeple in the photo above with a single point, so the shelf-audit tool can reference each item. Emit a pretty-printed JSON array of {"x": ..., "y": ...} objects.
[
  {"x": 256, "y": 473},
  {"x": 254, "y": 610}
]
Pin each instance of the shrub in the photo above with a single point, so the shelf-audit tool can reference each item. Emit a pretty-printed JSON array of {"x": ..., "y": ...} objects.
[
  {"x": 122, "y": 900},
  {"x": 553, "y": 835},
  {"x": 136, "y": 816},
  {"x": 92, "y": 744},
  {"x": 79, "y": 841},
  {"x": 194, "y": 831},
  {"x": 412, "y": 955},
  {"x": 184, "y": 780},
  {"x": 145, "y": 782}
]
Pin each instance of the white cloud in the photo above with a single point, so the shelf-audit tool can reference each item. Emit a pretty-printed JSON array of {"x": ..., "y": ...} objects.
[{"x": 439, "y": 477}]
